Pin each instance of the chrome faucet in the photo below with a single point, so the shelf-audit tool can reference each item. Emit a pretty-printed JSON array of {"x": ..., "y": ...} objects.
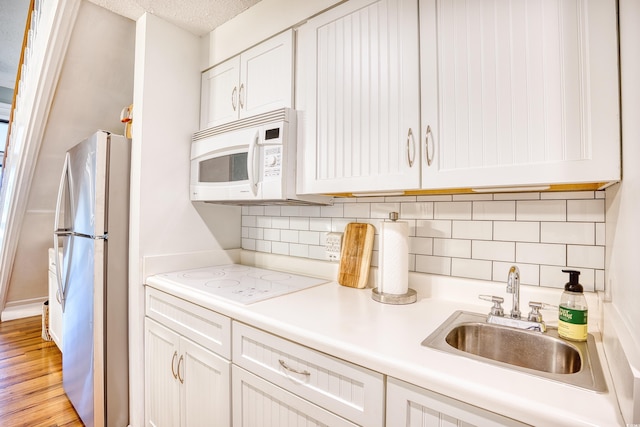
[
  {"x": 533, "y": 321},
  {"x": 513, "y": 287}
]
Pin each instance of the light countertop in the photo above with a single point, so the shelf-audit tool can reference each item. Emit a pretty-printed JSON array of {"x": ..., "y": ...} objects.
[{"x": 348, "y": 324}]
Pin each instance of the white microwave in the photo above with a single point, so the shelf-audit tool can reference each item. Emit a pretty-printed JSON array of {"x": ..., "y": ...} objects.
[{"x": 249, "y": 162}]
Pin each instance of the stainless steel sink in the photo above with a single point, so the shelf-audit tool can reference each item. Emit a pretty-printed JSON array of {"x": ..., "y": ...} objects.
[{"x": 541, "y": 354}]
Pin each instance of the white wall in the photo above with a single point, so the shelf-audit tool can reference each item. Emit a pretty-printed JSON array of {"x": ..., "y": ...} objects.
[
  {"x": 163, "y": 219},
  {"x": 623, "y": 201},
  {"x": 95, "y": 82}
]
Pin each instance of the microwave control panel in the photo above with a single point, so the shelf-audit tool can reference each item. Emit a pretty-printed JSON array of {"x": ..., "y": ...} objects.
[{"x": 272, "y": 161}]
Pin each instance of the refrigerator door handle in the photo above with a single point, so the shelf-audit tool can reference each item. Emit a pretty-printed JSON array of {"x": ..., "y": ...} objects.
[{"x": 59, "y": 232}]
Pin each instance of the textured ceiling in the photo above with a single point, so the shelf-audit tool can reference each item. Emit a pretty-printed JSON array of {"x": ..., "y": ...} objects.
[{"x": 196, "y": 16}]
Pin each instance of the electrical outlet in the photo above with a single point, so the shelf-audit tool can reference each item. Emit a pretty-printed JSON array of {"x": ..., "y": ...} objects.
[{"x": 333, "y": 246}]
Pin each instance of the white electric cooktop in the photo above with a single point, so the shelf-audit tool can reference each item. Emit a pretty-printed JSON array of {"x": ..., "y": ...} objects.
[{"x": 240, "y": 283}]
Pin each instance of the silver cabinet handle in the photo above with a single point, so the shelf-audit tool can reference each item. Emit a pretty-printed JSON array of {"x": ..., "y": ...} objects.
[
  {"x": 290, "y": 369},
  {"x": 180, "y": 377},
  {"x": 428, "y": 157},
  {"x": 241, "y": 96},
  {"x": 234, "y": 92},
  {"x": 411, "y": 148},
  {"x": 173, "y": 364}
]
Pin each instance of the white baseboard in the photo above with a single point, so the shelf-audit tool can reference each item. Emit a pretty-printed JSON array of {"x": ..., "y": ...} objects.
[{"x": 21, "y": 309}]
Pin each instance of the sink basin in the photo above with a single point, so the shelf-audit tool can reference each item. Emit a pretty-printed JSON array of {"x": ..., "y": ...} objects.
[{"x": 541, "y": 354}]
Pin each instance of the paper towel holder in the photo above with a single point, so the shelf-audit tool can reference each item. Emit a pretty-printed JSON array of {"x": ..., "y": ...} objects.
[{"x": 409, "y": 297}]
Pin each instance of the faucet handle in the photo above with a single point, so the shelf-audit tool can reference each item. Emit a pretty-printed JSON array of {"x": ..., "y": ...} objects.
[
  {"x": 534, "y": 314},
  {"x": 497, "y": 309}
]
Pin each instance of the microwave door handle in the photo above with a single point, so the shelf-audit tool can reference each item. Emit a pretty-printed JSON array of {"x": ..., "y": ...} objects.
[{"x": 251, "y": 159}]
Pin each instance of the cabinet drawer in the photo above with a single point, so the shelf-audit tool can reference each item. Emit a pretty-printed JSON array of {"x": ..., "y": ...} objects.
[
  {"x": 258, "y": 403},
  {"x": 205, "y": 327},
  {"x": 348, "y": 390}
]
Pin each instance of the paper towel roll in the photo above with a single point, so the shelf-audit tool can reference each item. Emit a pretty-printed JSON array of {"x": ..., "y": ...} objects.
[{"x": 394, "y": 258}]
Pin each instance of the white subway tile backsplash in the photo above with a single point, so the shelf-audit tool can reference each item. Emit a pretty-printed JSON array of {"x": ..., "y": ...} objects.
[
  {"x": 299, "y": 250},
  {"x": 382, "y": 210},
  {"x": 309, "y": 237},
  {"x": 248, "y": 221},
  {"x": 263, "y": 246},
  {"x": 568, "y": 195},
  {"x": 433, "y": 265},
  {"x": 489, "y": 250},
  {"x": 357, "y": 210},
  {"x": 529, "y": 273},
  {"x": 585, "y": 210},
  {"x": 264, "y": 221},
  {"x": 579, "y": 233},
  {"x": 541, "y": 210},
  {"x": 516, "y": 196},
  {"x": 256, "y": 233},
  {"x": 320, "y": 224},
  {"x": 418, "y": 210},
  {"x": 435, "y": 198},
  {"x": 272, "y": 234},
  {"x": 471, "y": 268},
  {"x": 339, "y": 224},
  {"x": 516, "y": 231},
  {"x": 480, "y": 230},
  {"x": 494, "y": 211},
  {"x": 600, "y": 234},
  {"x": 553, "y": 277},
  {"x": 433, "y": 228},
  {"x": 452, "y": 210},
  {"x": 335, "y": 211},
  {"x": 249, "y": 244},
  {"x": 473, "y": 235},
  {"x": 585, "y": 256},
  {"x": 541, "y": 253},
  {"x": 472, "y": 196},
  {"x": 272, "y": 210},
  {"x": 290, "y": 236},
  {"x": 280, "y": 248},
  {"x": 298, "y": 223},
  {"x": 421, "y": 245},
  {"x": 256, "y": 210},
  {"x": 452, "y": 248},
  {"x": 280, "y": 222}
]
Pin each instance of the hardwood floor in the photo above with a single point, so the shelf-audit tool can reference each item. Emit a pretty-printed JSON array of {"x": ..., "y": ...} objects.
[{"x": 31, "y": 391}]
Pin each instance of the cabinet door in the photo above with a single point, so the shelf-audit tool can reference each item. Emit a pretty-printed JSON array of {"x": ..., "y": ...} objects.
[
  {"x": 411, "y": 406},
  {"x": 162, "y": 392},
  {"x": 357, "y": 83},
  {"x": 219, "y": 94},
  {"x": 519, "y": 93},
  {"x": 266, "y": 76},
  {"x": 259, "y": 403},
  {"x": 205, "y": 387}
]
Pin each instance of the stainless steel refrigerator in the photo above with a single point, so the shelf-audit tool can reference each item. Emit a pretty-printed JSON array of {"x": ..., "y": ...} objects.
[{"x": 91, "y": 224}]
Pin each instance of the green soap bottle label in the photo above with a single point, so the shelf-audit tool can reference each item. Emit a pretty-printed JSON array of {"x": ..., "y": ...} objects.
[
  {"x": 572, "y": 324},
  {"x": 573, "y": 316}
]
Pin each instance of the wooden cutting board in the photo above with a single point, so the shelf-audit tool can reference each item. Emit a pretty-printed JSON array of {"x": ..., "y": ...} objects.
[{"x": 355, "y": 255}]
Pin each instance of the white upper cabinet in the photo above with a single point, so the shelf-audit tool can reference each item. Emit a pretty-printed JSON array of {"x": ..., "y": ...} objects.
[
  {"x": 357, "y": 84},
  {"x": 256, "y": 81},
  {"x": 518, "y": 93}
]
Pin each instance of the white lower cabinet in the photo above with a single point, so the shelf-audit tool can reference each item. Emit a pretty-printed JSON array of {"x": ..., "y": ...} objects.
[
  {"x": 55, "y": 308},
  {"x": 304, "y": 382},
  {"x": 412, "y": 406},
  {"x": 186, "y": 383}
]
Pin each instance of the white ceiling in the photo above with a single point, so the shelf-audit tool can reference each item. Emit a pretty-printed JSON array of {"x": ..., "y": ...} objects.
[{"x": 196, "y": 16}]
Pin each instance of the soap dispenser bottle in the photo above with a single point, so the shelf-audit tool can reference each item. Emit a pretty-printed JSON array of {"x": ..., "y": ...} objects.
[{"x": 572, "y": 316}]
